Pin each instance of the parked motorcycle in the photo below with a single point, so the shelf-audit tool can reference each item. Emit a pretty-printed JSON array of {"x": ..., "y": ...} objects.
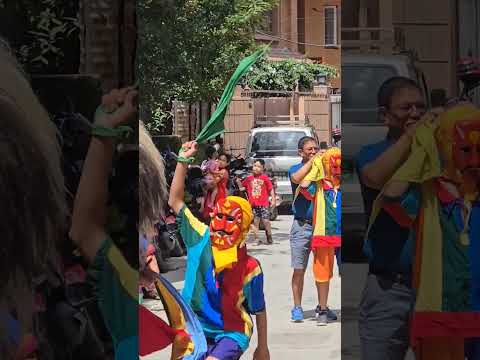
[
  {"x": 238, "y": 170},
  {"x": 170, "y": 160}
]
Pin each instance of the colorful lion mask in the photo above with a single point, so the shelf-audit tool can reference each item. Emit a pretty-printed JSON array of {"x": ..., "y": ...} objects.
[
  {"x": 228, "y": 229},
  {"x": 458, "y": 140},
  {"x": 332, "y": 165}
]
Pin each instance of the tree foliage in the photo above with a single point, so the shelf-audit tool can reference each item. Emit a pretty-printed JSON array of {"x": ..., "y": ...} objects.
[
  {"x": 188, "y": 49},
  {"x": 285, "y": 75},
  {"x": 43, "y": 33}
]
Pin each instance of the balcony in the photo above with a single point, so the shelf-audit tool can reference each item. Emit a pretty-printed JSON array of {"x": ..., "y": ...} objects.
[{"x": 372, "y": 39}]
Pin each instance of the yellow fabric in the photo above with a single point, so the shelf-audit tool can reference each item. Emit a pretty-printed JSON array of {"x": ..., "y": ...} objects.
[
  {"x": 223, "y": 259},
  {"x": 247, "y": 212},
  {"x": 422, "y": 166},
  {"x": 182, "y": 345},
  {"x": 127, "y": 275},
  {"x": 173, "y": 310},
  {"x": 316, "y": 174},
  {"x": 196, "y": 224}
]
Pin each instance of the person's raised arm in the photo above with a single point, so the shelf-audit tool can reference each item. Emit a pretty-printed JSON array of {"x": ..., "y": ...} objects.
[
  {"x": 177, "y": 189},
  {"x": 305, "y": 184},
  {"x": 298, "y": 176},
  {"x": 396, "y": 189},
  {"x": 90, "y": 207},
  {"x": 376, "y": 173}
]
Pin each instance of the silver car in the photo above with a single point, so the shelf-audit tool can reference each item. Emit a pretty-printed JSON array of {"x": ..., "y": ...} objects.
[{"x": 278, "y": 147}]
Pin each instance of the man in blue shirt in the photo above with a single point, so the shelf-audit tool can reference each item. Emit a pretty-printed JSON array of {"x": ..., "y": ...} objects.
[
  {"x": 388, "y": 298},
  {"x": 302, "y": 230}
]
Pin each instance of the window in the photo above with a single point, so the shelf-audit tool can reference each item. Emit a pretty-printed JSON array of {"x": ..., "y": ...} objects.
[
  {"x": 359, "y": 94},
  {"x": 330, "y": 26},
  {"x": 269, "y": 22},
  {"x": 270, "y": 144}
]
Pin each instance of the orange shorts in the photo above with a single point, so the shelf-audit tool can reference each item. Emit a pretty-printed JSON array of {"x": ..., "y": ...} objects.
[{"x": 323, "y": 263}]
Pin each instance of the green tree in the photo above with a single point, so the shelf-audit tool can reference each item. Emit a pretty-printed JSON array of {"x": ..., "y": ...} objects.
[
  {"x": 287, "y": 74},
  {"x": 188, "y": 49},
  {"x": 43, "y": 33}
]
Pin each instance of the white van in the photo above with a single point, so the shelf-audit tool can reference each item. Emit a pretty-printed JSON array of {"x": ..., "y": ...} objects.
[{"x": 278, "y": 147}]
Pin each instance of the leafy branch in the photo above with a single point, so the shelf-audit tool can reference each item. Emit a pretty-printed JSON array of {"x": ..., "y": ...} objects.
[
  {"x": 188, "y": 49},
  {"x": 287, "y": 74},
  {"x": 48, "y": 28}
]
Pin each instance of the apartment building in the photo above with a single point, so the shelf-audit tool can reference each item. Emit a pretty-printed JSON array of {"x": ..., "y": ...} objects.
[
  {"x": 439, "y": 32},
  {"x": 304, "y": 29}
]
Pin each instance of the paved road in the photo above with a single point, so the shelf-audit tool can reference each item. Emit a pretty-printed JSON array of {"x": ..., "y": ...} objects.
[{"x": 287, "y": 340}]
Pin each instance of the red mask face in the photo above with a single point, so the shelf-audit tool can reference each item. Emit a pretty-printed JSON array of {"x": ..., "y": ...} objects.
[
  {"x": 336, "y": 166},
  {"x": 226, "y": 225},
  {"x": 466, "y": 146},
  {"x": 332, "y": 165}
]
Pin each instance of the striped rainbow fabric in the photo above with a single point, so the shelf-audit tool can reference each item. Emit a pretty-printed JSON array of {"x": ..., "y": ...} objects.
[{"x": 184, "y": 331}]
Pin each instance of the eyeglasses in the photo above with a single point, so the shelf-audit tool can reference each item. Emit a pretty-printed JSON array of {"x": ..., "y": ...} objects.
[{"x": 409, "y": 107}]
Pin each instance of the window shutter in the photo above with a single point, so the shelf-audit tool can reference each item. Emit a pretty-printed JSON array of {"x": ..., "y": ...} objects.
[{"x": 330, "y": 13}]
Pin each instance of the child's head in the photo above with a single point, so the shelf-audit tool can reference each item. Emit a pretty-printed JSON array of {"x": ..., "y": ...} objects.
[
  {"x": 323, "y": 147},
  {"x": 211, "y": 153},
  {"x": 223, "y": 160},
  {"x": 211, "y": 166},
  {"x": 258, "y": 167}
]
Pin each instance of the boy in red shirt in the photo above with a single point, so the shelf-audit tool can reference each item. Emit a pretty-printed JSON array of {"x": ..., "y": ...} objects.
[{"x": 259, "y": 187}]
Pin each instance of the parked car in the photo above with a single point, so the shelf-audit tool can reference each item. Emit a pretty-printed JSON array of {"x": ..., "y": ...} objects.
[
  {"x": 278, "y": 147},
  {"x": 362, "y": 76}
]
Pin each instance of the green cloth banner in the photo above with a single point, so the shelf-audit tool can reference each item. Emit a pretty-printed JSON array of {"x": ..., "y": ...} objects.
[{"x": 215, "y": 125}]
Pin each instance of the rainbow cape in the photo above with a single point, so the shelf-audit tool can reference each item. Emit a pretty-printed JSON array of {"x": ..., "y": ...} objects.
[
  {"x": 316, "y": 194},
  {"x": 184, "y": 331},
  {"x": 422, "y": 167}
]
